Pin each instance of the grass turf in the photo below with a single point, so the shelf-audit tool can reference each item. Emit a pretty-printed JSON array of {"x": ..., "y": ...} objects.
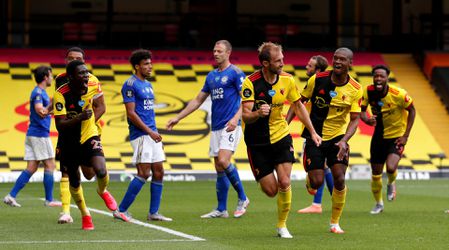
[{"x": 414, "y": 221}]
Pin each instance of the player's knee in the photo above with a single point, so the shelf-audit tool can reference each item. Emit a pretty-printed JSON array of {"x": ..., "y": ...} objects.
[
  {"x": 158, "y": 175},
  {"x": 144, "y": 176},
  {"x": 284, "y": 183},
  {"x": 101, "y": 173},
  {"x": 339, "y": 182},
  {"x": 222, "y": 163}
]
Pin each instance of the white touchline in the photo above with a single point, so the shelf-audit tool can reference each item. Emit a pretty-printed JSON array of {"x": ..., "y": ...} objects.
[
  {"x": 137, "y": 222},
  {"x": 87, "y": 241}
]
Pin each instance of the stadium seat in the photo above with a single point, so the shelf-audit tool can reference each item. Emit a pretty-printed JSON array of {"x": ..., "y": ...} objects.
[
  {"x": 171, "y": 33},
  {"x": 88, "y": 32},
  {"x": 274, "y": 32},
  {"x": 71, "y": 32}
]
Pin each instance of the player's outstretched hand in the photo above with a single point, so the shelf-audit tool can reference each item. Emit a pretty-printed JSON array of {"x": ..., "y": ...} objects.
[
  {"x": 171, "y": 123},
  {"x": 344, "y": 150}
]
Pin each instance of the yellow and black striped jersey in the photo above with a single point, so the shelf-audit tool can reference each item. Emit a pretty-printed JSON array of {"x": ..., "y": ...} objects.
[
  {"x": 270, "y": 129},
  {"x": 391, "y": 117},
  {"x": 331, "y": 104}
]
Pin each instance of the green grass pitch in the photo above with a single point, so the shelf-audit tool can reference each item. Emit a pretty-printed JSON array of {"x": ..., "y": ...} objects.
[{"x": 416, "y": 220}]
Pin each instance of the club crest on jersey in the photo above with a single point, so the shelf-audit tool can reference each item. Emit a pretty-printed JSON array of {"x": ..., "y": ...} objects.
[
  {"x": 332, "y": 94},
  {"x": 58, "y": 106},
  {"x": 380, "y": 103},
  {"x": 282, "y": 91},
  {"x": 224, "y": 80},
  {"x": 247, "y": 93},
  {"x": 81, "y": 103},
  {"x": 271, "y": 92}
]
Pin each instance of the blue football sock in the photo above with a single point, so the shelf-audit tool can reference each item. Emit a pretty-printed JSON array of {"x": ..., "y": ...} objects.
[
  {"x": 156, "y": 195},
  {"x": 234, "y": 178},
  {"x": 222, "y": 187},
  {"x": 317, "y": 198},
  {"x": 329, "y": 180},
  {"x": 133, "y": 189},
  {"x": 48, "y": 185},
  {"x": 23, "y": 179}
]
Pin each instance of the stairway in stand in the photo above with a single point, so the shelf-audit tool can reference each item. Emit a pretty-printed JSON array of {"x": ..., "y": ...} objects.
[{"x": 426, "y": 102}]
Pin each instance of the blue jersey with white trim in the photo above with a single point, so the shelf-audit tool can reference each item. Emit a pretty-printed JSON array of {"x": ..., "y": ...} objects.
[
  {"x": 141, "y": 93},
  {"x": 224, "y": 89},
  {"x": 39, "y": 127}
]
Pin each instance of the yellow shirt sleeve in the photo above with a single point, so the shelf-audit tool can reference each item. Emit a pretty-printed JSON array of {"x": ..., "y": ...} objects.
[
  {"x": 247, "y": 90},
  {"x": 365, "y": 97},
  {"x": 308, "y": 89},
  {"x": 293, "y": 94},
  {"x": 357, "y": 102},
  {"x": 59, "y": 104}
]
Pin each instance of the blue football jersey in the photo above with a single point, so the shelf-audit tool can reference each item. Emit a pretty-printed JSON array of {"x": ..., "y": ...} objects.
[
  {"x": 224, "y": 89},
  {"x": 141, "y": 93},
  {"x": 39, "y": 127}
]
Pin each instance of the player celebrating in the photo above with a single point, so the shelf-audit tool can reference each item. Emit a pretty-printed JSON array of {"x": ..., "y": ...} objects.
[
  {"x": 267, "y": 137},
  {"x": 79, "y": 142},
  {"x": 335, "y": 97},
  {"x": 389, "y": 106},
  {"x": 224, "y": 85}
]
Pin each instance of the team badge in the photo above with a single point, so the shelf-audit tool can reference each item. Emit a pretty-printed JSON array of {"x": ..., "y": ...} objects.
[
  {"x": 58, "y": 106},
  {"x": 271, "y": 92},
  {"x": 129, "y": 93},
  {"x": 81, "y": 103},
  {"x": 407, "y": 98},
  {"x": 38, "y": 98},
  {"x": 224, "y": 80},
  {"x": 332, "y": 94},
  {"x": 247, "y": 93},
  {"x": 380, "y": 103},
  {"x": 282, "y": 91}
]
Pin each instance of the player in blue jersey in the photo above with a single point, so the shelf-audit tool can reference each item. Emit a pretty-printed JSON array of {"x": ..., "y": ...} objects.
[
  {"x": 38, "y": 146},
  {"x": 138, "y": 97},
  {"x": 223, "y": 85}
]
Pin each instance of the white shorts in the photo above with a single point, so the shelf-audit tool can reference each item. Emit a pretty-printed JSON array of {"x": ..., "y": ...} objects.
[
  {"x": 146, "y": 150},
  {"x": 220, "y": 139},
  {"x": 38, "y": 148}
]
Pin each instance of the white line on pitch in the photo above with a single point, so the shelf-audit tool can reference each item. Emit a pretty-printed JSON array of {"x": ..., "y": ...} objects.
[
  {"x": 87, "y": 241},
  {"x": 137, "y": 222}
]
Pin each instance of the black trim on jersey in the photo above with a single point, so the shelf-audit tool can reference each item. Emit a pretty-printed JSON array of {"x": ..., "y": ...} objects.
[
  {"x": 258, "y": 133},
  {"x": 73, "y": 134},
  {"x": 374, "y": 100},
  {"x": 321, "y": 99}
]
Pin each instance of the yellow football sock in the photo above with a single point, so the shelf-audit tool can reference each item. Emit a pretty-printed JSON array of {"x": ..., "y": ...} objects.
[
  {"x": 102, "y": 183},
  {"x": 376, "y": 187},
  {"x": 78, "y": 197},
  {"x": 65, "y": 195},
  {"x": 338, "y": 203},
  {"x": 392, "y": 177},
  {"x": 284, "y": 204}
]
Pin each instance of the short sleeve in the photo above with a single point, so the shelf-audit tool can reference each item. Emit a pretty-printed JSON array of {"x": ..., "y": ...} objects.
[
  {"x": 59, "y": 104},
  {"x": 206, "y": 88},
  {"x": 365, "y": 100},
  {"x": 128, "y": 93},
  {"x": 357, "y": 102},
  {"x": 293, "y": 94},
  {"x": 308, "y": 89},
  {"x": 247, "y": 90}
]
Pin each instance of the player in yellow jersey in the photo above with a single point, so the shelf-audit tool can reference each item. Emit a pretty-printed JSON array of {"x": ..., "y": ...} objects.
[
  {"x": 266, "y": 133},
  {"x": 335, "y": 98},
  {"x": 79, "y": 141},
  {"x": 389, "y": 106},
  {"x": 315, "y": 65},
  {"x": 99, "y": 108}
]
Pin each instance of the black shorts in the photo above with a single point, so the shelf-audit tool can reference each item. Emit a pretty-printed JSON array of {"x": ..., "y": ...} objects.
[
  {"x": 90, "y": 148},
  {"x": 316, "y": 157},
  {"x": 263, "y": 159},
  {"x": 76, "y": 154},
  {"x": 381, "y": 148}
]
